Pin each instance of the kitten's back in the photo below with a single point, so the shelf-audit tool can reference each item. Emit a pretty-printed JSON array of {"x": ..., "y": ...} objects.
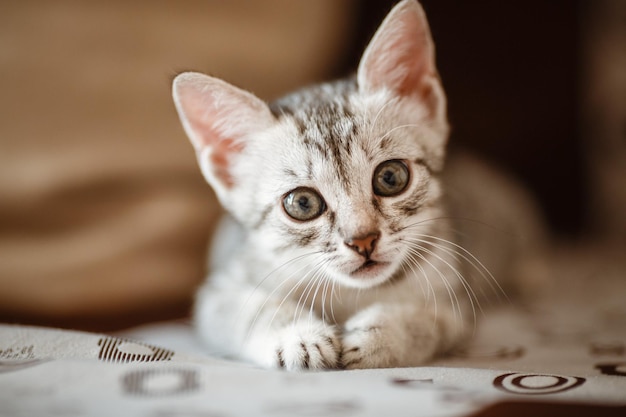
[{"x": 498, "y": 222}]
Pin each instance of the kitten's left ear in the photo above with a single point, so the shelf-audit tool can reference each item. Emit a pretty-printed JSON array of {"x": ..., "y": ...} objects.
[
  {"x": 219, "y": 119},
  {"x": 401, "y": 58}
]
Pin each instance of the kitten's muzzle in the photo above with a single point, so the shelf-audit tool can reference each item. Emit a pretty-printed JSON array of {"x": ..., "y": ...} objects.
[{"x": 364, "y": 245}]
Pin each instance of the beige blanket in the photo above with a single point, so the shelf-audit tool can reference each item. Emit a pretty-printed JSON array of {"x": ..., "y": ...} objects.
[{"x": 103, "y": 210}]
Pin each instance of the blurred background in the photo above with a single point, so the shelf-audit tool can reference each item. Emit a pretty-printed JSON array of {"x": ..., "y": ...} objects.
[{"x": 104, "y": 217}]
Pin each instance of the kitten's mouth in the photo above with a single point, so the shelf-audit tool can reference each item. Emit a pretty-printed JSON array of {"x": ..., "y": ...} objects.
[{"x": 369, "y": 268}]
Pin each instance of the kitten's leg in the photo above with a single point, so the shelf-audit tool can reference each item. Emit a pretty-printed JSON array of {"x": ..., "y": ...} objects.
[
  {"x": 252, "y": 325},
  {"x": 388, "y": 335}
]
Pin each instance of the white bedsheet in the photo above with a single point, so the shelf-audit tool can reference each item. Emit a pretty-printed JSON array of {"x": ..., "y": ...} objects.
[{"x": 567, "y": 351}]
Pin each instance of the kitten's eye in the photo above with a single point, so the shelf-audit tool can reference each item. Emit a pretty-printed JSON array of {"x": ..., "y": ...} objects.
[
  {"x": 390, "y": 178},
  {"x": 303, "y": 204}
]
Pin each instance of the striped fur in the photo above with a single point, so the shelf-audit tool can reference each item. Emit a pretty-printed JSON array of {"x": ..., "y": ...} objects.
[{"x": 372, "y": 281}]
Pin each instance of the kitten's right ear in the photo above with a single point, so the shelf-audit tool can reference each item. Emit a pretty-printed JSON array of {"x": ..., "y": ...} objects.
[
  {"x": 218, "y": 119},
  {"x": 401, "y": 58}
]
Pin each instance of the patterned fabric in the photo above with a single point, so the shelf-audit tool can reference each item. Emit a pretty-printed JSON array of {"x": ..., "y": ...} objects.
[{"x": 557, "y": 357}]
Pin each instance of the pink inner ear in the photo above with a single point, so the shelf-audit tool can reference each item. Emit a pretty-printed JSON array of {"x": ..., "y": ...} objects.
[
  {"x": 221, "y": 159},
  {"x": 219, "y": 117},
  {"x": 401, "y": 55},
  {"x": 409, "y": 53},
  {"x": 203, "y": 115}
]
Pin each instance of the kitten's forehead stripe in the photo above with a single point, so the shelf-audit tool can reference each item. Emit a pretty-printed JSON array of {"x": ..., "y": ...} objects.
[
  {"x": 325, "y": 123},
  {"x": 328, "y": 132},
  {"x": 314, "y": 145},
  {"x": 385, "y": 142},
  {"x": 290, "y": 173},
  {"x": 309, "y": 168}
]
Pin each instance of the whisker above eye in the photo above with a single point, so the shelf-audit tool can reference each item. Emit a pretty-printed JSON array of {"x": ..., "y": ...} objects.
[
  {"x": 378, "y": 114},
  {"x": 393, "y": 129}
]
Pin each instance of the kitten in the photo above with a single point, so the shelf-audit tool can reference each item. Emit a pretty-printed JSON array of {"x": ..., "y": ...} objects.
[{"x": 340, "y": 247}]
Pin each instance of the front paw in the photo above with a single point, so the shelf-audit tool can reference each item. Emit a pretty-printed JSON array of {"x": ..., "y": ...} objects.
[
  {"x": 307, "y": 346},
  {"x": 363, "y": 347},
  {"x": 387, "y": 338}
]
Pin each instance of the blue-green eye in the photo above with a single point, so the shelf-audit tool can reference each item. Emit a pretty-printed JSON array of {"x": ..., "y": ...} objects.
[
  {"x": 303, "y": 204},
  {"x": 390, "y": 178}
]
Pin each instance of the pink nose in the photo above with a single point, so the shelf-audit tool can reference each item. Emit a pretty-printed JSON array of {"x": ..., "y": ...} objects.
[{"x": 365, "y": 245}]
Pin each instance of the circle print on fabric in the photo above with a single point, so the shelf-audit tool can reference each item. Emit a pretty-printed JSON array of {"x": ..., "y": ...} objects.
[{"x": 536, "y": 384}]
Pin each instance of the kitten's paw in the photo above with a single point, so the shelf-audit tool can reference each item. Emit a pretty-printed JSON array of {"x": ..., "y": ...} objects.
[
  {"x": 364, "y": 347},
  {"x": 307, "y": 346},
  {"x": 378, "y": 338}
]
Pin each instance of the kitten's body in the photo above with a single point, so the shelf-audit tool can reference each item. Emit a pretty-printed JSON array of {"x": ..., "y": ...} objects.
[{"x": 344, "y": 251}]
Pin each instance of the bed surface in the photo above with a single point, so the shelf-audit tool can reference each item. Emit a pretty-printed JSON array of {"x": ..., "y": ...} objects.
[{"x": 564, "y": 354}]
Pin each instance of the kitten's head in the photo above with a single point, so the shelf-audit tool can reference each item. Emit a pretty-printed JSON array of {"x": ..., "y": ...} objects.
[{"x": 344, "y": 170}]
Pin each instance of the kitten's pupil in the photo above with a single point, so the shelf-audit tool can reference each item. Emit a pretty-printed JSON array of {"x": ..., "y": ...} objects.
[
  {"x": 303, "y": 204},
  {"x": 390, "y": 178}
]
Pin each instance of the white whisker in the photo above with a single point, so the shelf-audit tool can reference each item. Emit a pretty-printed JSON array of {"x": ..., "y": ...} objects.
[
  {"x": 390, "y": 131},
  {"x": 473, "y": 300},
  {"x": 454, "y": 301},
  {"x": 378, "y": 114},
  {"x": 274, "y": 271},
  {"x": 314, "y": 282},
  {"x": 471, "y": 260},
  {"x": 466, "y": 255},
  {"x": 333, "y": 295},
  {"x": 419, "y": 277},
  {"x": 271, "y": 295},
  {"x": 327, "y": 283}
]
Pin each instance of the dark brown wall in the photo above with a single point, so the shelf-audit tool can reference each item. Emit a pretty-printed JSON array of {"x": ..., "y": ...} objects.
[{"x": 511, "y": 72}]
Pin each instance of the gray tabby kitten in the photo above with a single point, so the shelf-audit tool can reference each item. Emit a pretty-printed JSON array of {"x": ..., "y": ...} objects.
[{"x": 339, "y": 250}]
